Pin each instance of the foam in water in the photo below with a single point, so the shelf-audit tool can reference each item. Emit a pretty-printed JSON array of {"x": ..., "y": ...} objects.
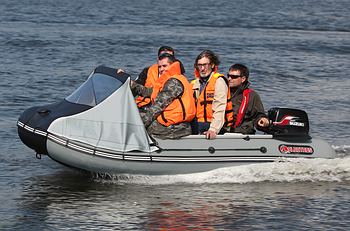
[
  {"x": 294, "y": 170},
  {"x": 342, "y": 151}
]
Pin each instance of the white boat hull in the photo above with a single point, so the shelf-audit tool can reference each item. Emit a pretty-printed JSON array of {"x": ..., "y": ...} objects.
[
  {"x": 99, "y": 128},
  {"x": 187, "y": 155}
]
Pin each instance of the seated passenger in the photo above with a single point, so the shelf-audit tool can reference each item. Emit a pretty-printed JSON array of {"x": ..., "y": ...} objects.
[
  {"x": 172, "y": 101},
  {"x": 214, "y": 108},
  {"x": 248, "y": 109},
  {"x": 149, "y": 76}
]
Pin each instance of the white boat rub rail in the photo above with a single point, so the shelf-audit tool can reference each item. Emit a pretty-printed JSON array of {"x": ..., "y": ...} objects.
[
  {"x": 224, "y": 136},
  {"x": 156, "y": 157},
  {"x": 30, "y": 129},
  {"x": 150, "y": 157}
]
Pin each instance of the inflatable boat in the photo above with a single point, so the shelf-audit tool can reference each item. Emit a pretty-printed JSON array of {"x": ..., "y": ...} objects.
[{"x": 98, "y": 128}]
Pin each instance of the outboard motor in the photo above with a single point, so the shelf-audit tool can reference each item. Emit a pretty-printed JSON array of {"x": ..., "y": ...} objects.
[{"x": 288, "y": 124}]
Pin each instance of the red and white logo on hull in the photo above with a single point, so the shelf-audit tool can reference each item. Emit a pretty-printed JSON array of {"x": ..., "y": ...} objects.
[{"x": 295, "y": 149}]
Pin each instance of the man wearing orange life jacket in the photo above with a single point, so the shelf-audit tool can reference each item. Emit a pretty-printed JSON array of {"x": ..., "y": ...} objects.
[
  {"x": 214, "y": 107},
  {"x": 172, "y": 101},
  {"x": 248, "y": 109},
  {"x": 149, "y": 76}
]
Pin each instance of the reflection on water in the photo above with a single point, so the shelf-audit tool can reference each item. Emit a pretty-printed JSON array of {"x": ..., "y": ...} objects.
[{"x": 83, "y": 202}]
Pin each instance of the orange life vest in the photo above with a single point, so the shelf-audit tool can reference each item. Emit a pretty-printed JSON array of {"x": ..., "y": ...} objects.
[
  {"x": 181, "y": 109},
  {"x": 152, "y": 76},
  {"x": 205, "y": 100}
]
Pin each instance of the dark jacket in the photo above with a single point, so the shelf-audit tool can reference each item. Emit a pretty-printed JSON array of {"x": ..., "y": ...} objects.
[{"x": 254, "y": 112}]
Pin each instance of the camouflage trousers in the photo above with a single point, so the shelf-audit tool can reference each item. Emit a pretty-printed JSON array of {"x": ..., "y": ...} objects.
[{"x": 174, "y": 131}]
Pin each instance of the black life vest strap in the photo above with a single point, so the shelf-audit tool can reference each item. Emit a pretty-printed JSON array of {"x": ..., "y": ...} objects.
[
  {"x": 143, "y": 100},
  {"x": 163, "y": 117},
  {"x": 183, "y": 109}
]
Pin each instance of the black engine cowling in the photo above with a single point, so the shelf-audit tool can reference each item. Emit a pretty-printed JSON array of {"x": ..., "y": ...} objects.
[{"x": 288, "y": 123}]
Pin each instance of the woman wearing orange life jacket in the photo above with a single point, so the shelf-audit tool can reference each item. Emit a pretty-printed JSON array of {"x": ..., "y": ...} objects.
[
  {"x": 214, "y": 107},
  {"x": 172, "y": 102}
]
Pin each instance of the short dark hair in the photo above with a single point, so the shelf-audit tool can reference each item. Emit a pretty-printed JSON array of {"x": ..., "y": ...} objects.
[
  {"x": 243, "y": 70},
  {"x": 214, "y": 58},
  {"x": 166, "y": 48},
  {"x": 168, "y": 56}
]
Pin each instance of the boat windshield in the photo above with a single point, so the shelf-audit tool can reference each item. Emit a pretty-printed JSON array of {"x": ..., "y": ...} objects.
[{"x": 94, "y": 90}]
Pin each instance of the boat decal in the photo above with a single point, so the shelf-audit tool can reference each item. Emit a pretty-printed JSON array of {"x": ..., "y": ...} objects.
[
  {"x": 295, "y": 149},
  {"x": 288, "y": 120}
]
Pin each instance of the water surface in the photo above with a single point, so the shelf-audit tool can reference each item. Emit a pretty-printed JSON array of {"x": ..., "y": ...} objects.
[{"x": 298, "y": 54}]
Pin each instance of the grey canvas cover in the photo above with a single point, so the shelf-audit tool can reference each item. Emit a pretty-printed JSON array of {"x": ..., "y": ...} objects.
[{"x": 114, "y": 124}]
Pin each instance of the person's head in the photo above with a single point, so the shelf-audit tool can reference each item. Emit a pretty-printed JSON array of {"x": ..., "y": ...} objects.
[
  {"x": 237, "y": 75},
  {"x": 164, "y": 61},
  {"x": 166, "y": 49},
  {"x": 206, "y": 62}
]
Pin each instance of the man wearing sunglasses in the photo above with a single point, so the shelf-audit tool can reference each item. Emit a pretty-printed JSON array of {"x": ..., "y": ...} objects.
[
  {"x": 248, "y": 109},
  {"x": 149, "y": 76},
  {"x": 214, "y": 108}
]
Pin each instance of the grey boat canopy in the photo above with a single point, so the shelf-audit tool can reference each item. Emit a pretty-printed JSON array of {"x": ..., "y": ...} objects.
[{"x": 114, "y": 123}]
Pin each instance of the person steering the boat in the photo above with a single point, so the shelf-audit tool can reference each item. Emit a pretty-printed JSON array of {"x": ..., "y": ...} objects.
[
  {"x": 212, "y": 94},
  {"x": 248, "y": 109},
  {"x": 172, "y": 103},
  {"x": 148, "y": 77}
]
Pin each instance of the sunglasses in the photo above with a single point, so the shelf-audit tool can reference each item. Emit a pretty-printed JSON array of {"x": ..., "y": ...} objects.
[
  {"x": 166, "y": 55},
  {"x": 233, "y": 76}
]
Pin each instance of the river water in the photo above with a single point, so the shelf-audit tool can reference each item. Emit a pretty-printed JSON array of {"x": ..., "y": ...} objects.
[{"x": 298, "y": 53}]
